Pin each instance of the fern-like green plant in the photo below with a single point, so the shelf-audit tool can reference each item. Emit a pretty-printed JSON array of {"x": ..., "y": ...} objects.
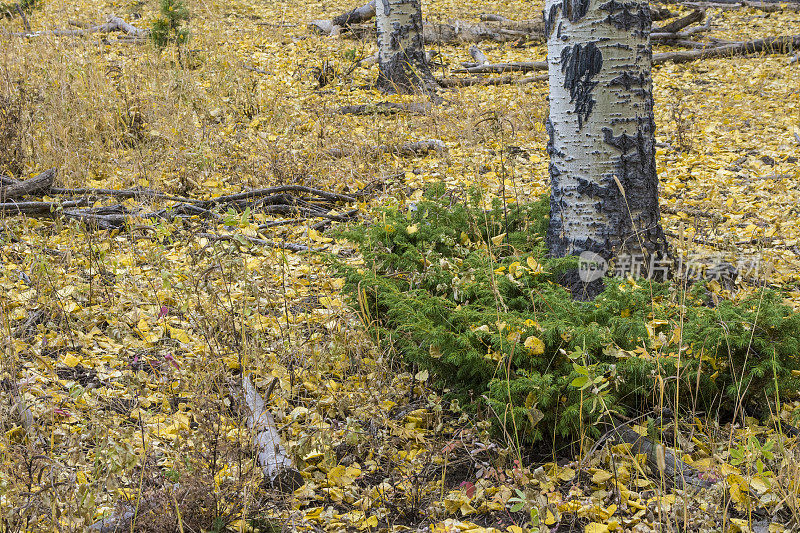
[{"x": 472, "y": 296}]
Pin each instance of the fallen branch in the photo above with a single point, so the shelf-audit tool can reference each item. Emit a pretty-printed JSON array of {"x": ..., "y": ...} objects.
[
  {"x": 769, "y": 7},
  {"x": 385, "y": 108},
  {"x": 774, "y": 45},
  {"x": 16, "y": 189},
  {"x": 499, "y": 29},
  {"x": 238, "y": 239},
  {"x": 503, "y": 80},
  {"x": 677, "y": 25},
  {"x": 679, "y": 37},
  {"x": 404, "y": 149},
  {"x": 121, "y": 193},
  {"x": 355, "y": 16},
  {"x": 272, "y": 457},
  {"x": 333, "y": 197},
  {"x": 518, "y": 66},
  {"x": 113, "y": 24},
  {"x": 38, "y": 208}
]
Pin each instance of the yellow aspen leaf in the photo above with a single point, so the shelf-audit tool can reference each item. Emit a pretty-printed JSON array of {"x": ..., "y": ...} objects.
[
  {"x": 595, "y": 527},
  {"x": 601, "y": 476},
  {"x": 498, "y": 240},
  {"x": 70, "y": 360},
  {"x": 412, "y": 229},
  {"x": 566, "y": 474},
  {"x": 535, "y": 345}
]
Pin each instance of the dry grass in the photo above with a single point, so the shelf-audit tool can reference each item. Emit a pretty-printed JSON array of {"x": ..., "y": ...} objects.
[{"x": 116, "y": 115}]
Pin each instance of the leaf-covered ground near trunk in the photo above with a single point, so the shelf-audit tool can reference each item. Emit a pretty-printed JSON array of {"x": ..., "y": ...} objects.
[{"x": 122, "y": 350}]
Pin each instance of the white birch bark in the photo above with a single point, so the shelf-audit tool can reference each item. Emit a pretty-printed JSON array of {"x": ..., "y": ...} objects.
[
  {"x": 401, "y": 51},
  {"x": 601, "y": 130}
]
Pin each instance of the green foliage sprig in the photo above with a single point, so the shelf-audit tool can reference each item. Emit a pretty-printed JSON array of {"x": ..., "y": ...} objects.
[
  {"x": 9, "y": 9},
  {"x": 472, "y": 296},
  {"x": 168, "y": 27}
]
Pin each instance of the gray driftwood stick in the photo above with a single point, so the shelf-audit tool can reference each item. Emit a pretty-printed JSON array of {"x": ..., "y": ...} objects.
[{"x": 272, "y": 456}]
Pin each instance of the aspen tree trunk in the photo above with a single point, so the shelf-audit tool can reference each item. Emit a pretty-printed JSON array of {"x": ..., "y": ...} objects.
[
  {"x": 601, "y": 132},
  {"x": 401, "y": 51}
]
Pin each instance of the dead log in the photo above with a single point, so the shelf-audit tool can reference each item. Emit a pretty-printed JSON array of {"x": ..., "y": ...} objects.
[
  {"x": 333, "y": 197},
  {"x": 335, "y": 25},
  {"x": 517, "y": 66},
  {"x": 677, "y": 25},
  {"x": 272, "y": 457},
  {"x": 459, "y": 31},
  {"x": 454, "y": 31},
  {"x": 121, "y": 193},
  {"x": 114, "y": 23},
  {"x": 682, "y": 38},
  {"x": 405, "y": 149},
  {"x": 503, "y": 80},
  {"x": 239, "y": 239},
  {"x": 769, "y": 45},
  {"x": 38, "y": 208},
  {"x": 768, "y": 7},
  {"x": 385, "y": 108},
  {"x": 17, "y": 189}
]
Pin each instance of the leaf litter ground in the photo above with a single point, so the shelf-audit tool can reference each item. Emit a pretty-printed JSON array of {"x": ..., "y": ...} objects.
[{"x": 130, "y": 370}]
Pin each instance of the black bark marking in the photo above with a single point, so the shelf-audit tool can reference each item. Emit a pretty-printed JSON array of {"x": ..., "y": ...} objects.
[
  {"x": 627, "y": 15},
  {"x": 575, "y": 10},
  {"x": 579, "y": 65},
  {"x": 627, "y": 80},
  {"x": 549, "y": 19},
  {"x": 387, "y": 9}
]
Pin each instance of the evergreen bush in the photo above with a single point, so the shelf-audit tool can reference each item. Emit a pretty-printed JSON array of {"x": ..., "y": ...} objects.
[
  {"x": 168, "y": 27},
  {"x": 472, "y": 296}
]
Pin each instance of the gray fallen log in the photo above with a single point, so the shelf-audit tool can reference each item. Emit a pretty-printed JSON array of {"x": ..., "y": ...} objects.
[
  {"x": 498, "y": 29},
  {"x": 38, "y": 208},
  {"x": 517, "y": 66},
  {"x": 677, "y": 25},
  {"x": 16, "y": 189},
  {"x": 404, "y": 149},
  {"x": 774, "y": 45},
  {"x": 272, "y": 457},
  {"x": 769, "y": 7},
  {"x": 355, "y": 16},
  {"x": 502, "y": 80},
  {"x": 386, "y": 108},
  {"x": 114, "y": 23}
]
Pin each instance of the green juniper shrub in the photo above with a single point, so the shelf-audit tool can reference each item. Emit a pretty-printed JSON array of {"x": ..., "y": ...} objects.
[
  {"x": 471, "y": 295},
  {"x": 167, "y": 28}
]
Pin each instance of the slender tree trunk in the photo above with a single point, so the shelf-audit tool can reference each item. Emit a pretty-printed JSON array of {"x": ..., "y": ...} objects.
[
  {"x": 602, "y": 151},
  {"x": 401, "y": 52}
]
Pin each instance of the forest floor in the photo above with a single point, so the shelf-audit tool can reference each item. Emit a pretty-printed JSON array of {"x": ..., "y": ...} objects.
[{"x": 123, "y": 349}]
